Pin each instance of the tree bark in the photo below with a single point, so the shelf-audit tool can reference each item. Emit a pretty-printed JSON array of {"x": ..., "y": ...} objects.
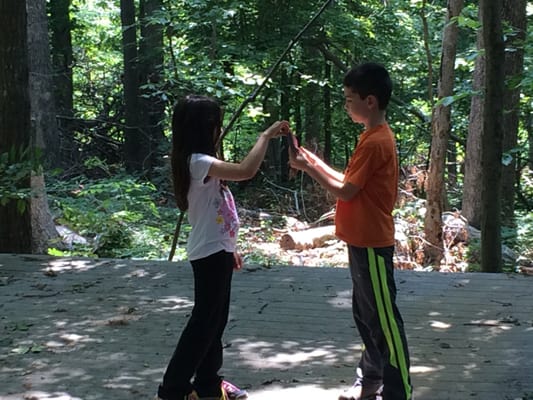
[
  {"x": 311, "y": 93},
  {"x": 133, "y": 138},
  {"x": 514, "y": 14},
  {"x": 440, "y": 130},
  {"x": 62, "y": 62},
  {"x": 529, "y": 124},
  {"x": 44, "y": 128},
  {"x": 285, "y": 105},
  {"x": 492, "y": 141},
  {"x": 425, "y": 29},
  {"x": 15, "y": 126},
  {"x": 327, "y": 113},
  {"x": 152, "y": 106},
  {"x": 471, "y": 203}
]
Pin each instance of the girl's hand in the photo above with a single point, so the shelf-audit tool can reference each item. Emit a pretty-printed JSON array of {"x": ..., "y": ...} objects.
[
  {"x": 278, "y": 128},
  {"x": 238, "y": 261}
]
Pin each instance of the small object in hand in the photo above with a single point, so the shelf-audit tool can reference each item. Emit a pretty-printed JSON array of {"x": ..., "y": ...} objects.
[{"x": 293, "y": 142}]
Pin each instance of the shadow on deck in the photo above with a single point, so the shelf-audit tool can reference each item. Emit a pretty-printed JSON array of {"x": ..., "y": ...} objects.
[{"x": 104, "y": 330}]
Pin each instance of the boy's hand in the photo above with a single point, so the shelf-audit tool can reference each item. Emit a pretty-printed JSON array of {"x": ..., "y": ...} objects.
[{"x": 300, "y": 159}]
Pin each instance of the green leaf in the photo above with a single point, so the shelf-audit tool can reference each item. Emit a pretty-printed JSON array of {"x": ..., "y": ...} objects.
[{"x": 21, "y": 350}]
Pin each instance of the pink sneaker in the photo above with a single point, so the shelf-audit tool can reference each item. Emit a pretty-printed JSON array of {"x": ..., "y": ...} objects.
[
  {"x": 234, "y": 392},
  {"x": 190, "y": 396}
]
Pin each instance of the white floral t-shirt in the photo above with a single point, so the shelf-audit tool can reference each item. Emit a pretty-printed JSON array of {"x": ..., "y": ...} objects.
[{"x": 212, "y": 212}]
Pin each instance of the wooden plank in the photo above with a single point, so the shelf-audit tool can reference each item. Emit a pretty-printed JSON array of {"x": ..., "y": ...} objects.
[{"x": 104, "y": 329}]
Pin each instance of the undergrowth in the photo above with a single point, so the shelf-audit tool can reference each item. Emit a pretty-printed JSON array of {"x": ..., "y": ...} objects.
[{"x": 124, "y": 217}]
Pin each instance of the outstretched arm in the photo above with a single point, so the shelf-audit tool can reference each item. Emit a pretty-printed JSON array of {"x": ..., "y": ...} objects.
[
  {"x": 248, "y": 167},
  {"x": 327, "y": 177}
]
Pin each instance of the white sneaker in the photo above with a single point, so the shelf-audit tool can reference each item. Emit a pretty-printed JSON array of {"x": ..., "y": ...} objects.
[{"x": 357, "y": 392}]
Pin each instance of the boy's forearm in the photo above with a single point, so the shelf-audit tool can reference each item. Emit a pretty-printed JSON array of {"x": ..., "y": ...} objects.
[
  {"x": 328, "y": 181},
  {"x": 324, "y": 168}
]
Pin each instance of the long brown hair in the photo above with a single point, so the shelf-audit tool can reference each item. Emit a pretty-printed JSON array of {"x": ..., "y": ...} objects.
[{"x": 196, "y": 126}]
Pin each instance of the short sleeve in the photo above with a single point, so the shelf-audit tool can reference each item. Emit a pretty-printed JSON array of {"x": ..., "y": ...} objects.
[{"x": 199, "y": 165}]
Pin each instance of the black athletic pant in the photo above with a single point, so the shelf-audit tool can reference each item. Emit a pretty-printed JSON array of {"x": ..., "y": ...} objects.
[
  {"x": 385, "y": 356},
  {"x": 199, "y": 350}
]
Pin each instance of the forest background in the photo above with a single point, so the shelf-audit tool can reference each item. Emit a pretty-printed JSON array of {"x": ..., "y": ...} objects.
[{"x": 87, "y": 88}]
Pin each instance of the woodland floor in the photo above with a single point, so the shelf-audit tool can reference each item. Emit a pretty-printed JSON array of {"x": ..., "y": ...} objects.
[{"x": 261, "y": 233}]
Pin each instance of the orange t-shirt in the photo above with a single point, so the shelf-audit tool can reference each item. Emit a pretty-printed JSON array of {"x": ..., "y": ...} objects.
[{"x": 366, "y": 220}]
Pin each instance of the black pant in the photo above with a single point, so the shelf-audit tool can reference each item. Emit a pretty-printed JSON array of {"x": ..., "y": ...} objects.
[
  {"x": 199, "y": 349},
  {"x": 385, "y": 357}
]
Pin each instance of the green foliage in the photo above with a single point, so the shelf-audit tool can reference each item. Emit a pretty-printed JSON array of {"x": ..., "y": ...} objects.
[
  {"x": 16, "y": 168},
  {"x": 120, "y": 216},
  {"x": 97, "y": 75}
]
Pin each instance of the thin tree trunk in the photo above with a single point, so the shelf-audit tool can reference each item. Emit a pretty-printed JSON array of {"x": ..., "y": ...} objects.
[
  {"x": 425, "y": 29},
  {"x": 312, "y": 98},
  {"x": 514, "y": 13},
  {"x": 132, "y": 134},
  {"x": 285, "y": 103},
  {"x": 471, "y": 203},
  {"x": 62, "y": 62},
  {"x": 440, "y": 136},
  {"x": 491, "y": 245},
  {"x": 327, "y": 113},
  {"x": 151, "y": 62},
  {"x": 529, "y": 124}
]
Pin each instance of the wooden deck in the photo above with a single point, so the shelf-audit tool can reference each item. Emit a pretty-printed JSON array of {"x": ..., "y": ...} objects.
[{"x": 104, "y": 330}]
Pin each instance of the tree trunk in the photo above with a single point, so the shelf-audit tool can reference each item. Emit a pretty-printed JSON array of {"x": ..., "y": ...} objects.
[
  {"x": 529, "y": 124},
  {"x": 440, "y": 135},
  {"x": 514, "y": 13},
  {"x": 285, "y": 105},
  {"x": 471, "y": 203},
  {"x": 152, "y": 105},
  {"x": 327, "y": 113},
  {"x": 44, "y": 129},
  {"x": 492, "y": 141},
  {"x": 425, "y": 29},
  {"x": 133, "y": 139},
  {"x": 15, "y": 126},
  {"x": 62, "y": 62},
  {"x": 311, "y": 93}
]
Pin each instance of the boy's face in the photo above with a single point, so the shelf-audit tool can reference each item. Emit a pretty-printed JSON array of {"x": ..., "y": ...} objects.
[{"x": 356, "y": 107}]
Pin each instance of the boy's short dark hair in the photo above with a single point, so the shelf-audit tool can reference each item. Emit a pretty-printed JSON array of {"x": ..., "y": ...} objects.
[{"x": 370, "y": 79}]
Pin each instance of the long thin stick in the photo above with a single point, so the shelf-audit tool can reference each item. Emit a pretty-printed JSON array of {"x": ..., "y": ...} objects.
[
  {"x": 254, "y": 94},
  {"x": 246, "y": 101},
  {"x": 176, "y": 235}
]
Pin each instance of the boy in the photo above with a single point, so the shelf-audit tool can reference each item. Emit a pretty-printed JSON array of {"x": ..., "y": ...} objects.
[{"x": 366, "y": 194}]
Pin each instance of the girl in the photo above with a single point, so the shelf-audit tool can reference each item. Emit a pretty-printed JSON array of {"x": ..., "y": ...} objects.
[{"x": 199, "y": 188}]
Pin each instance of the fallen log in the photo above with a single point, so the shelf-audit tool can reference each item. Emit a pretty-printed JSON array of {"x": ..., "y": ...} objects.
[{"x": 310, "y": 238}]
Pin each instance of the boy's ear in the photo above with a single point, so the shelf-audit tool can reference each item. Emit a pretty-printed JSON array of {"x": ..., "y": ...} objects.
[{"x": 372, "y": 101}]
